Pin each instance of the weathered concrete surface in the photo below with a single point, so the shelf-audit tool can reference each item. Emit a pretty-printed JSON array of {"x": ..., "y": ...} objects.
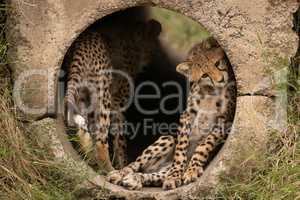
[
  {"x": 250, "y": 132},
  {"x": 256, "y": 35}
]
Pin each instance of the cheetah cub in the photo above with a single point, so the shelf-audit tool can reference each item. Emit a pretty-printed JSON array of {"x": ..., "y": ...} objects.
[
  {"x": 100, "y": 68},
  {"x": 205, "y": 122}
]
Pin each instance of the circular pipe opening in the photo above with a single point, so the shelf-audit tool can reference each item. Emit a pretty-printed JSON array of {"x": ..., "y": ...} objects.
[{"x": 179, "y": 34}]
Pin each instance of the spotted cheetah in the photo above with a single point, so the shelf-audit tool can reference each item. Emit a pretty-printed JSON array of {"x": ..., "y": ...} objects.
[
  {"x": 205, "y": 122},
  {"x": 101, "y": 64}
]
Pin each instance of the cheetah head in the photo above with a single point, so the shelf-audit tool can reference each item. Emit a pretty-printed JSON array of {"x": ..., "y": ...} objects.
[{"x": 204, "y": 59}]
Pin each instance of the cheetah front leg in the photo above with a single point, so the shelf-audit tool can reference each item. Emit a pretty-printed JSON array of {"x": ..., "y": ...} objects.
[
  {"x": 120, "y": 99},
  {"x": 102, "y": 148},
  {"x": 102, "y": 153},
  {"x": 119, "y": 140},
  {"x": 201, "y": 153},
  {"x": 85, "y": 139},
  {"x": 173, "y": 178},
  {"x": 174, "y": 175},
  {"x": 79, "y": 116}
]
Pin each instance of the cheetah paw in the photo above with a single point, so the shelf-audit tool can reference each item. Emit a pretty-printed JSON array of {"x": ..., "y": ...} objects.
[
  {"x": 171, "y": 183},
  {"x": 132, "y": 181},
  {"x": 116, "y": 176},
  {"x": 80, "y": 122},
  {"x": 191, "y": 175}
]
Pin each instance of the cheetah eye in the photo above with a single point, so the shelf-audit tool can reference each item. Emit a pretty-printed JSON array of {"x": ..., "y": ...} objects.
[
  {"x": 220, "y": 65},
  {"x": 205, "y": 76}
]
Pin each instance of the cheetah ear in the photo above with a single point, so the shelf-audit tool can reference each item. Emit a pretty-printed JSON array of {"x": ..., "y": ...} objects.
[
  {"x": 217, "y": 54},
  {"x": 220, "y": 54},
  {"x": 209, "y": 43},
  {"x": 212, "y": 43},
  {"x": 153, "y": 27},
  {"x": 184, "y": 68}
]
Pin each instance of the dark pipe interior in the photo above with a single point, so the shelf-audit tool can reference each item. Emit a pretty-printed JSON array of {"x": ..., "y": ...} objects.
[{"x": 160, "y": 71}]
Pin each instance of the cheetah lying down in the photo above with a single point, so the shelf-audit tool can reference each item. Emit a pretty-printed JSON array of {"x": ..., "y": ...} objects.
[{"x": 171, "y": 162}]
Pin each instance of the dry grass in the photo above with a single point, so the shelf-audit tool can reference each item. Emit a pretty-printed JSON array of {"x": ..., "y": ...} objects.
[
  {"x": 27, "y": 170},
  {"x": 274, "y": 175}
]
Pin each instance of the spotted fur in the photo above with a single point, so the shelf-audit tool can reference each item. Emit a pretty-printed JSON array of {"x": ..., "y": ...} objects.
[
  {"x": 97, "y": 93},
  {"x": 209, "y": 113}
]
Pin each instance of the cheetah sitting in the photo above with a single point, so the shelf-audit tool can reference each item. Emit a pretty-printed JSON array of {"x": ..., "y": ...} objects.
[
  {"x": 100, "y": 64},
  {"x": 204, "y": 123}
]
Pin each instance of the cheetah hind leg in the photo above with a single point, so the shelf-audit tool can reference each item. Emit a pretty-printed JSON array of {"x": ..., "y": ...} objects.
[
  {"x": 135, "y": 181},
  {"x": 150, "y": 159}
]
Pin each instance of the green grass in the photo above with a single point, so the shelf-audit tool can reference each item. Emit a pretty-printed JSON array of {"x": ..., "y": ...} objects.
[
  {"x": 274, "y": 175},
  {"x": 179, "y": 31}
]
